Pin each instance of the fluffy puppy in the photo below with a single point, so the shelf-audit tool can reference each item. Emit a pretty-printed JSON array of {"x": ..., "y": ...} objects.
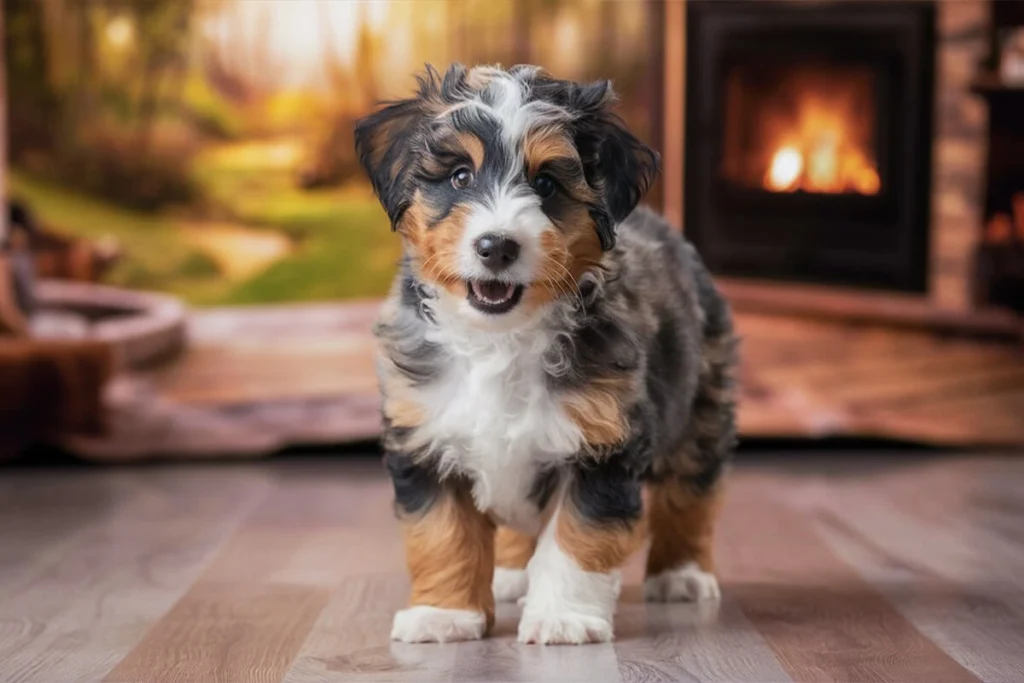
[{"x": 546, "y": 353}]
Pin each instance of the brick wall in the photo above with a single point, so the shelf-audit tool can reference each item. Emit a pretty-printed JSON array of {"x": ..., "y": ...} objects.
[{"x": 959, "y": 150}]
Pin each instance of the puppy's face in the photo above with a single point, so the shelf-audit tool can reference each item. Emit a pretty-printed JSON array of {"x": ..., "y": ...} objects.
[{"x": 506, "y": 186}]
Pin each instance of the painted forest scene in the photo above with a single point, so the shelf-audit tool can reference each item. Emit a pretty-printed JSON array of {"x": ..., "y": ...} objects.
[{"x": 207, "y": 144}]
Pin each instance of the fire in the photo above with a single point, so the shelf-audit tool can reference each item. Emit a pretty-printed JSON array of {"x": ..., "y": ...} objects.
[
  {"x": 786, "y": 170},
  {"x": 818, "y": 154}
]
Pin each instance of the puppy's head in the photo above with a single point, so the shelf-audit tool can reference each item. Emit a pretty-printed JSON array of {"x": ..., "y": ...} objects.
[{"x": 507, "y": 186}]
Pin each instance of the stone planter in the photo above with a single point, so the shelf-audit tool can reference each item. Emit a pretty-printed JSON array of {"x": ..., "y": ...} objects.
[{"x": 143, "y": 327}]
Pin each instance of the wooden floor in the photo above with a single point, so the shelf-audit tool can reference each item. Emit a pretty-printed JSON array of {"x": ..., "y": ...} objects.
[
  {"x": 809, "y": 377},
  {"x": 870, "y": 568},
  {"x": 258, "y": 379}
]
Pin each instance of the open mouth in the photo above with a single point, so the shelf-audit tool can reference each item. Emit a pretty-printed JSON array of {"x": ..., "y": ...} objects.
[{"x": 491, "y": 296}]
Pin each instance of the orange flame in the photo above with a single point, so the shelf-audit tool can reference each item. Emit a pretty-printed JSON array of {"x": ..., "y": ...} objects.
[{"x": 818, "y": 154}]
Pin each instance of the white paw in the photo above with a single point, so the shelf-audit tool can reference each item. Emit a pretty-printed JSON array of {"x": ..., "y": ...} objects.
[
  {"x": 423, "y": 624},
  {"x": 509, "y": 585},
  {"x": 565, "y": 628},
  {"x": 689, "y": 582}
]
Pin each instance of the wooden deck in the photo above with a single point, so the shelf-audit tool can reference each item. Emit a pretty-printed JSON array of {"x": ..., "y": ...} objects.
[
  {"x": 258, "y": 379},
  {"x": 895, "y": 568},
  {"x": 805, "y": 377}
]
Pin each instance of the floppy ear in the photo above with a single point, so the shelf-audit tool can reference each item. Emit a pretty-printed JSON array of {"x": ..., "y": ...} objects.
[
  {"x": 383, "y": 147},
  {"x": 615, "y": 162}
]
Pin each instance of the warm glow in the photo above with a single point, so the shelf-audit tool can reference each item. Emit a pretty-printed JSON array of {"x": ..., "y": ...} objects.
[
  {"x": 787, "y": 166},
  {"x": 296, "y": 36},
  {"x": 120, "y": 32},
  {"x": 806, "y": 127},
  {"x": 818, "y": 154}
]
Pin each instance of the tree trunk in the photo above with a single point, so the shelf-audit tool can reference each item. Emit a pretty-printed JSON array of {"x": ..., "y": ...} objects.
[
  {"x": 34, "y": 116},
  {"x": 80, "y": 101},
  {"x": 151, "y": 77}
]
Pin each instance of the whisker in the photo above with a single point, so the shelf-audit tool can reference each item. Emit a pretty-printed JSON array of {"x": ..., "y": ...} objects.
[{"x": 567, "y": 280}]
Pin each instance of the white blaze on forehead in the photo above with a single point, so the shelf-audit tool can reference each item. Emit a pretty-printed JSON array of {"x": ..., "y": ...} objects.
[
  {"x": 516, "y": 114},
  {"x": 510, "y": 209},
  {"x": 506, "y": 98}
]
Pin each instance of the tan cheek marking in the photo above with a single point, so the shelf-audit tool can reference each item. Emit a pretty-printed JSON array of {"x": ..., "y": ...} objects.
[
  {"x": 413, "y": 224},
  {"x": 450, "y": 554},
  {"x": 582, "y": 242},
  {"x": 400, "y": 405},
  {"x": 436, "y": 248},
  {"x": 552, "y": 281},
  {"x": 597, "y": 411},
  {"x": 597, "y": 548},
  {"x": 681, "y": 526},
  {"x": 513, "y": 549},
  {"x": 567, "y": 255}
]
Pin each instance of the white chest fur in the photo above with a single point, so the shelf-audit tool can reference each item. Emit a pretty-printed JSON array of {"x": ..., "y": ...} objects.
[{"x": 493, "y": 418}]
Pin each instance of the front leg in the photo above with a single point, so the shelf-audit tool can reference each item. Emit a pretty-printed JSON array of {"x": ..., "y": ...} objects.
[
  {"x": 512, "y": 552},
  {"x": 449, "y": 547},
  {"x": 574, "y": 573}
]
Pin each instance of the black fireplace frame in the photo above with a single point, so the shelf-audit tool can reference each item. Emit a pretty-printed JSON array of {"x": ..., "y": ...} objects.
[{"x": 878, "y": 241}]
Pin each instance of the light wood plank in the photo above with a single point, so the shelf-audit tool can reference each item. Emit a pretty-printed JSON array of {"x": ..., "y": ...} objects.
[
  {"x": 796, "y": 592},
  {"x": 225, "y": 633},
  {"x": 502, "y": 658},
  {"x": 350, "y": 639},
  {"x": 957, "y": 548},
  {"x": 976, "y": 627},
  {"x": 693, "y": 642},
  {"x": 144, "y": 536},
  {"x": 885, "y": 566}
]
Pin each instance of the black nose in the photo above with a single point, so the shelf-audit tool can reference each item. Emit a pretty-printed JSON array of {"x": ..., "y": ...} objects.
[{"x": 497, "y": 252}]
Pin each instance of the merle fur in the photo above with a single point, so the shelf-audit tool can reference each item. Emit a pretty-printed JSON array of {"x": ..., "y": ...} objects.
[
  {"x": 649, "y": 314},
  {"x": 393, "y": 144}
]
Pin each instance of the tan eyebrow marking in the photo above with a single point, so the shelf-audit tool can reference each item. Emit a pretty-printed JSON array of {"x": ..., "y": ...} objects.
[
  {"x": 474, "y": 148},
  {"x": 539, "y": 147}
]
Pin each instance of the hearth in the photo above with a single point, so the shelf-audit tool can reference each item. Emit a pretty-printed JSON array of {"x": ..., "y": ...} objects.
[{"x": 809, "y": 140}]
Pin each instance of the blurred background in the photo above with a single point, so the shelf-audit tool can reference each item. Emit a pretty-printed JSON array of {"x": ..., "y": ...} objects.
[
  {"x": 211, "y": 140},
  {"x": 192, "y": 258},
  {"x": 191, "y": 262}
]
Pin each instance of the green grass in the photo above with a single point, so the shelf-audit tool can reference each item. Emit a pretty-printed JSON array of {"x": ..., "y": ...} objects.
[
  {"x": 347, "y": 254},
  {"x": 344, "y": 248},
  {"x": 154, "y": 255}
]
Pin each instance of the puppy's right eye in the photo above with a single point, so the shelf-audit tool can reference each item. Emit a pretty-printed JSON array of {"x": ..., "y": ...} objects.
[
  {"x": 462, "y": 178},
  {"x": 544, "y": 185}
]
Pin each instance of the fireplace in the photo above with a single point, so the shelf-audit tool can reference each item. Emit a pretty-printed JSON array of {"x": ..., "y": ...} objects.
[{"x": 809, "y": 140}]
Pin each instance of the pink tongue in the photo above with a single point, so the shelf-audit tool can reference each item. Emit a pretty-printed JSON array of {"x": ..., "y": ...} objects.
[{"x": 493, "y": 291}]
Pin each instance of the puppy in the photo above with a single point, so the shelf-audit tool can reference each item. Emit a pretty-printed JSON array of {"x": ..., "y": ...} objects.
[{"x": 546, "y": 353}]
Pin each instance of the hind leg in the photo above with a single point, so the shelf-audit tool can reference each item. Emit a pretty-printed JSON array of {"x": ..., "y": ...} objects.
[
  {"x": 685, "y": 495},
  {"x": 681, "y": 520}
]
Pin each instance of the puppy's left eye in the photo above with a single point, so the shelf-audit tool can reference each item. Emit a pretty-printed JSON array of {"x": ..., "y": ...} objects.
[
  {"x": 544, "y": 185},
  {"x": 462, "y": 178}
]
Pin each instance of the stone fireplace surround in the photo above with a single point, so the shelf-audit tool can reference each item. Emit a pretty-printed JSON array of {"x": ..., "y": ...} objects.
[{"x": 959, "y": 145}]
